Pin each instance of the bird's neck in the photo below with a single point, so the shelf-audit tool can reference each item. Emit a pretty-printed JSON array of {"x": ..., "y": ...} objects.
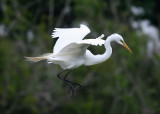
[
  {"x": 96, "y": 59},
  {"x": 107, "y": 53}
]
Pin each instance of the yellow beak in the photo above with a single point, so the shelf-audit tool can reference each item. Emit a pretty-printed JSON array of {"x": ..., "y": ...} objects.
[{"x": 125, "y": 45}]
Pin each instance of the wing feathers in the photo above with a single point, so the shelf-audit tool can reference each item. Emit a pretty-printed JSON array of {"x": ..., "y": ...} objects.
[
  {"x": 82, "y": 45},
  {"x": 59, "y": 32},
  {"x": 68, "y": 35},
  {"x": 95, "y": 42}
]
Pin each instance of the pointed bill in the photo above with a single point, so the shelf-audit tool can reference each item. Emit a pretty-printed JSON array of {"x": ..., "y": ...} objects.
[{"x": 125, "y": 45}]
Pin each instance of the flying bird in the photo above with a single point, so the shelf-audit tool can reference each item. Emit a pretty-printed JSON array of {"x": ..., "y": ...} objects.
[{"x": 70, "y": 50}]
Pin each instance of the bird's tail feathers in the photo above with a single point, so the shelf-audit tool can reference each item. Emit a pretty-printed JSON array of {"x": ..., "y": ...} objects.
[{"x": 39, "y": 58}]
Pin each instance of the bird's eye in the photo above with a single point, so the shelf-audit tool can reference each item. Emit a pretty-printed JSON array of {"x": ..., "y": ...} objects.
[{"x": 121, "y": 41}]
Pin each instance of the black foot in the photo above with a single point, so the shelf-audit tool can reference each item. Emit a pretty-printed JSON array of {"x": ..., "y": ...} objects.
[
  {"x": 70, "y": 83},
  {"x": 71, "y": 91},
  {"x": 77, "y": 84}
]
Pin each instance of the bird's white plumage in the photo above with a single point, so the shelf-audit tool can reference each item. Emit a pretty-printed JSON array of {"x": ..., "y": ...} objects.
[
  {"x": 95, "y": 42},
  {"x": 70, "y": 51},
  {"x": 82, "y": 45},
  {"x": 100, "y": 37},
  {"x": 74, "y": 53},
  {"x": 68, "y": 35}
]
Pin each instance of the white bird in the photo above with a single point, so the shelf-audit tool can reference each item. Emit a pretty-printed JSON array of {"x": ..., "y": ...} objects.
[{"x": 70, "y": 50}]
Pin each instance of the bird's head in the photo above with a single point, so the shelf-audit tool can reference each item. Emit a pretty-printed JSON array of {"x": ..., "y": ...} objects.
[{"x": 119, "y": 39}]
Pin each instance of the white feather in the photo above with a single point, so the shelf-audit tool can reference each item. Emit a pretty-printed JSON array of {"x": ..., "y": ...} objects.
[
  {"x": 82, "y": 45},
  {"x": 68, "y": 35},
  {"x": 100, "y": 37}
]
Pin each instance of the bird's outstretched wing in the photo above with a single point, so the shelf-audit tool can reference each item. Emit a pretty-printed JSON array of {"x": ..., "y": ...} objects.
[
  {"x": 81, "y": 46},
  {"x": 68, "y": 35}
]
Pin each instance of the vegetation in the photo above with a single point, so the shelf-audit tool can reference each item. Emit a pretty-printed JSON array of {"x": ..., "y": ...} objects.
[{"x": 124, "y": 84}]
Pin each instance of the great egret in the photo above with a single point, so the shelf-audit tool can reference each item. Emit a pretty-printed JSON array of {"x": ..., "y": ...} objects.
[{"x": 70, "y": 51}]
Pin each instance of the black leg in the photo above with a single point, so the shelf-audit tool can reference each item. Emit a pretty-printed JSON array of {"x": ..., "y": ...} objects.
[
  {"x": 80, "y": 85},
  {"x": 71, "y": 87},
  {"x": 69, "y": 83}
]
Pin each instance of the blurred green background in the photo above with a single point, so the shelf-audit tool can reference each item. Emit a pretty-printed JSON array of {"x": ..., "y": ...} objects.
[{"x": 124, "y": 84}]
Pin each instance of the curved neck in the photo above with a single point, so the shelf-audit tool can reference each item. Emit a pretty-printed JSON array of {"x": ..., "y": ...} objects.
[{"x": 95, "y": 59}]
